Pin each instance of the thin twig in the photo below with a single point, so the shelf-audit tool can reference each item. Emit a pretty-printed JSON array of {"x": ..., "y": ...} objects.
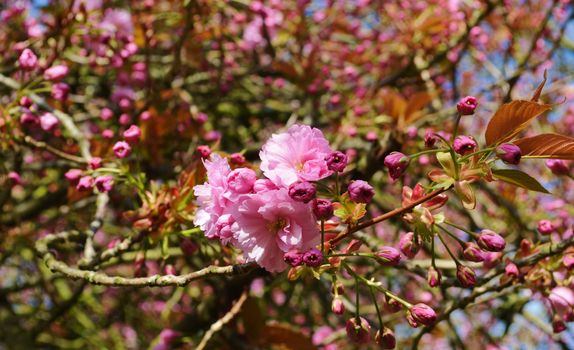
[{"x": 217, "y": 326}]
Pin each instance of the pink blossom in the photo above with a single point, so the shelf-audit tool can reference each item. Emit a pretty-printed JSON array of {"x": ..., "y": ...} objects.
[
  {"x": 56, "y": 73},
  {"x": 271, "y": 224},
  {"x": 210, "y": 197},
  {"x": 296, "y": 155},
  {"x": 28, "y": 60},
  {"x": 48, "y": 121},
  {"x": 562, "y": 299},
  {"x": 122, "y": 149}
]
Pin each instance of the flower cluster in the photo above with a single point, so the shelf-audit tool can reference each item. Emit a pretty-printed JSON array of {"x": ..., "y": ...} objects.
[{"x": 269, "y": 217}]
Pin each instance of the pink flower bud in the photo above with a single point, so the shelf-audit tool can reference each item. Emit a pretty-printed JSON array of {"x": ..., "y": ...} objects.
[
  {"x": 29, "y": 119},
  {"x": 430, "y": 138},
  {"x": 336, "y": 161},
  {"x": 132, "y": 134},
  {"x": 122, "y": 149},
  {"x": 558, "y": 326},
  {"x": 60, "y": 91},
  {"x": 388, "y": 256},
  {"x": 107, "y": 133},
  {"x": 106, "y": 114},
  {"x": 467, "y": 105},
  {"x": 491, "y": 241},
  {"x": 237, "y": 159},
  {"x": 511, "y": 270},
  {"x": 85, "y": 184},
  {"x": 509, "y": 153},
  {"x": 14, "y": 178},
  {"x": 386, "y": 339},
  {"x": 557, "y": 166},
  {"x": 26, "y": 102},
  {"x": 337, "y": 306},
  {"x": 293, "y": 258},
  {"x": 124, "y": 119},
  {"x": 48, "y": 122},
  {"x": 188, "y": 247},
  {"x": 423, "y": 314},
  {"x": 28, "y": 60},
  {"x": 408, "y": 246},
  {"x": 360, "y": 191},
  {"x": 313, "y": 258},
  {"x": 473, "y": 253},
  {"x": 302, "y": 191},
  {"x": 545, "y": 227},
  {"x": 397, "y": 163},
  {"x": 104, "y": 183},
  {"x": 95, "y": 163},
  {"x": 358, "y": 331},
  {"x": 241, "y": 180},
  {"x": 56, "y": 73},
  {"x": 465, "y": 276},
  {"x": 433, "y": 277},
  {"x": 464, "y": 145},
  {"x": 73, "y": 176},
  {"x": 322, "y": 208},
  {"x": 203, "y": 150},
  {"x": 568, "y": 261},
  {"x": 170, "y": 270}
]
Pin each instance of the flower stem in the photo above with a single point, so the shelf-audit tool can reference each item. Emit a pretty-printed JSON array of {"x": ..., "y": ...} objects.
[
  {"x": 458, "y": 116},
  {"x": 448, "y": 250},
  {"x": 471, "y": 234},
  {"x": 462, "y": 243},
  {"x": 412, "y": 156},
  {"x": 323, "y": 237},
  {"x": 371, "y": 289}
]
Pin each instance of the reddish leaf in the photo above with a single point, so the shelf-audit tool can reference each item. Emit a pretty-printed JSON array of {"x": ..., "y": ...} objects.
[
  {"x": 511, "y": 118},
  {"x": 538, "y": 91},
  {"x": 547, "y": 146},
  {"x": 284, "y": 337}
]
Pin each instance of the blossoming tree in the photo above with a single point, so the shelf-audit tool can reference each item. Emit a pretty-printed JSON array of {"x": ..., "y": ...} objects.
[{"x": 232, "y": 174}]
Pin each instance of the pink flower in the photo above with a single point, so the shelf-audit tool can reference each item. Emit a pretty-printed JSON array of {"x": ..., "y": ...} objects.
[
  {"x": 241, "y": 180},
  {"x": 270, "y": 224},
  {"x": 132, "y": 134},
  {"x": 60, "y": 91},
  {"x": 95, "y": 163},
  {"x": 106, "y": 114},
  {"x": 56, "y": 73},
  {"x": 562, "y": 299},
  {"x": 28, "y": 60},
  {"x": 545, "y": 227},
  {"x": 104, "y": 183},
  {"x": 423, "y": 314},
  {"x": 467, "y": 105},
  {"x": 48, "y": 121},
  {"x": 297, "y": 155},
  {"x": 122, "y": 149},
  {"x": 85, "y": 184},
  {"x": 14, "y": 178},
  {"x": 210, "y": 198},
  {"x": 73, "y": 176},
  {"x": 358, "y": 331}
]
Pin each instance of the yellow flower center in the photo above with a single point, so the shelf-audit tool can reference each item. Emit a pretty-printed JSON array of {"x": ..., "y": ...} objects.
[{"x": 276, "y": 225}]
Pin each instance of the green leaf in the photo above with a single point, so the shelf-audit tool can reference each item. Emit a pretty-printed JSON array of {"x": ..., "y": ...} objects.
[
  {"x": 519, "y": 178},
  {"x": 445, "y": 160}
]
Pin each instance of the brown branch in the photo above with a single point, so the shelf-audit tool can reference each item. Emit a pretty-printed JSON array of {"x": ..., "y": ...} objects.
[
  {"x": 218, "y": 325},
  {"x": 395, "y": 212},
  {"x": 100, "y": 278}
]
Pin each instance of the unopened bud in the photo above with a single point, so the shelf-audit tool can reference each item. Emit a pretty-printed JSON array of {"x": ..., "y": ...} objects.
[{"x": 465, "y": 276}]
